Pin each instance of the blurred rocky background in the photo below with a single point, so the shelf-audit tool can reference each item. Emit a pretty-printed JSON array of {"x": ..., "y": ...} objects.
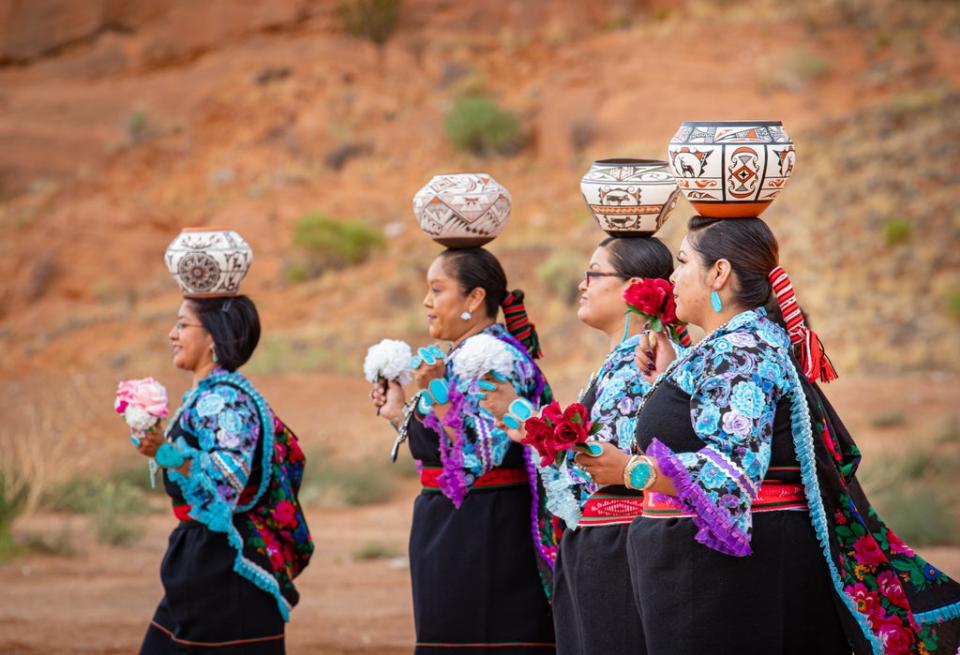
[{"x": 307, "y": 125}]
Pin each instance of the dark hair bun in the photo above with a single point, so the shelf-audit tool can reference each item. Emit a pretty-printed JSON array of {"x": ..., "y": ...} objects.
[{"x": 234, "y": 325}]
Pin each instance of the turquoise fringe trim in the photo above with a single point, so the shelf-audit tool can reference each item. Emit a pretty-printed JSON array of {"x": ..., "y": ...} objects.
[
  {"x": 803, "y": 444},
  {"x": 218, "y": 515},
  {"x": 939, "y": 615}
]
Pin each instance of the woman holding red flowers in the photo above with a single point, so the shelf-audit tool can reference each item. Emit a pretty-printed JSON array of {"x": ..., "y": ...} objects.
[
  {"x": 594, "y": 610},
  {"x": 755, "y": 535}
]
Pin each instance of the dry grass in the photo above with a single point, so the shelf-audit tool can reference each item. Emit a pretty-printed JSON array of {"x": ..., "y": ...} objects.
[{"x": 48, "y": 433}]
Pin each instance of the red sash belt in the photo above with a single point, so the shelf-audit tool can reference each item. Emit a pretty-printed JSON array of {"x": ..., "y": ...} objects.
[
  {"x": 603, "y": 509},
  {"x": 773, "y": 497},
  {"x": 182, "y": 512},
  {"x": 498, "y": 477}
]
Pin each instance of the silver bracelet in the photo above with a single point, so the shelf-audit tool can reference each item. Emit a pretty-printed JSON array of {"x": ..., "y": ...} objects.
[{"x": 403, "y": 426}]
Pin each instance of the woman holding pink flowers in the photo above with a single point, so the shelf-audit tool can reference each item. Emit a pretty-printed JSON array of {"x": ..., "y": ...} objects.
[{"x": 232, "y": 470}]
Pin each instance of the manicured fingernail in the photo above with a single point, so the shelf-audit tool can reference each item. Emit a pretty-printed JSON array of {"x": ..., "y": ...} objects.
[{"x": 486, "y": 386}]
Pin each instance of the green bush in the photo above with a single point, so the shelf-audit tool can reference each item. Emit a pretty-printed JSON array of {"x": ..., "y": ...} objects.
[
  {"x": 920, "y": 515},
  {"x": 374, "y": 20},
  {"x": 477, "y": 124},
  {"x": 953, "y": 305},
  {"x": 896, "y": 231},
  {"x": 328, "y": 243},
  {"x": 89, "y": 496},
  {"x": 374, "y": 550},
  {"x": 13, "y": 500}
]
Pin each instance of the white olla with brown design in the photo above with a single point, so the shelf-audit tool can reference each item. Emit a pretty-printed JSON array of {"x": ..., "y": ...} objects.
[
  {"x": 208, "y": 262},
  {"x": 730, "y": 169},
  {"x": 462, "y": 210},
  {"x": 629, "y": 197}
]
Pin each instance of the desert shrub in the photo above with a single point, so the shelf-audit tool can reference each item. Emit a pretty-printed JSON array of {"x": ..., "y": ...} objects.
[
  {"x": 138, "y": 127},
  {"x": 374, "y": 20},
  {"x": 797, "y": 69},
  {"x": 325, "y": 243},
  {"x": 374, "y": 550},
  {"x": 953, "y": 304},
  {"x": 920, "y": 515},
  {"x": 896, "y": 231},
  {"x": 477, "y": 124},
  {"x": 13, "y": 500},
  {"x": 890, "y": 419}
]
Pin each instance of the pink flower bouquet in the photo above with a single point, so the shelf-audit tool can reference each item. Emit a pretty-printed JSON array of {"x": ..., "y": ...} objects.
[{"x": 142, "y": 403}]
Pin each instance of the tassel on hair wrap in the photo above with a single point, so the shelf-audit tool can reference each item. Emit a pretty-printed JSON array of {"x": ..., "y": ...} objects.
[
  {"x": 519, "y": 325},
  {"x": 809, "y": 349}
]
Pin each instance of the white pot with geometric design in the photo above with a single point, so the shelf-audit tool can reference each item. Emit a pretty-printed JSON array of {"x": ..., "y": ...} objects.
[
  {"x": 208, "y": 262},
  {"x": 462, "y": 210},
  {"x": 731, "y": 169},
  {"x": 629, "y": 197}
]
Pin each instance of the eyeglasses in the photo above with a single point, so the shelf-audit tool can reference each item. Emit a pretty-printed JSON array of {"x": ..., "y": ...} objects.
[
  {"x": 181, "y": 326},
  {"x": 588, "y": 275}
]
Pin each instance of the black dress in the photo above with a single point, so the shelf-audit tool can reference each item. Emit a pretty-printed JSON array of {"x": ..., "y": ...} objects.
[
  {"x": 594, "y": 609},
  {"x": 207, "y": 607},
  {"x": 693, "y": 599},
  {"x": 476, "y": 588}
]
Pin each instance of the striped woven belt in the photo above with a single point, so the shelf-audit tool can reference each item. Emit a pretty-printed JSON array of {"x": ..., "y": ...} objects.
[
  {"x": 605, "y": 509},
  {"x": 498, "y": 477},
  {"x": 773, "y": 497}
]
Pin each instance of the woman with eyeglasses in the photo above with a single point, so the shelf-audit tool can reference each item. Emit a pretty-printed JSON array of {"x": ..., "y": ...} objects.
[
  {"x": 594, "y": 610},
  {"x": 232, "y": 470},
  {"x": 481, "y": 543},
  {"x": 755, "y": 535}
]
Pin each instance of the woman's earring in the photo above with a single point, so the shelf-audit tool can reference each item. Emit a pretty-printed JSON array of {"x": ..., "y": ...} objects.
[
  {"x": 214, "y": 351},
  {"x": 466, "y": 316},
  {"x": 715, "y": 301}
]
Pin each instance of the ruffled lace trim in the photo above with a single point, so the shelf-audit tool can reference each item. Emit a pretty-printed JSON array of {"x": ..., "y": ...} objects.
[{"x": 717, "y": 528}]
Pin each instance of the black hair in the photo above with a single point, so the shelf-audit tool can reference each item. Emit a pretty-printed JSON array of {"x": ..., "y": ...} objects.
[
  {"x": 644, "y": 257},
  {"x": 474, "y": 268},
  {"x": 750, "y": 247},
  {"x": 234, "y": 325}
]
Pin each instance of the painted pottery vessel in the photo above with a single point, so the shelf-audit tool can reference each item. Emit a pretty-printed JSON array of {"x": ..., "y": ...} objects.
[
  {"x": 731, "y": 169},
  {"x": 208, "y": 262},
  {"x": 629, "y": 197},
  {"x": 462, "y": 210}
]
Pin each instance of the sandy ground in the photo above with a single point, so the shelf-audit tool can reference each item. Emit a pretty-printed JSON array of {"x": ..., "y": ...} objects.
[{"x": 99, "y": 600}]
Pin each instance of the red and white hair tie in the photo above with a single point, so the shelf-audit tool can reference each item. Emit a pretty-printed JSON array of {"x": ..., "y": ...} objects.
[{"x": 809, "y": 349}]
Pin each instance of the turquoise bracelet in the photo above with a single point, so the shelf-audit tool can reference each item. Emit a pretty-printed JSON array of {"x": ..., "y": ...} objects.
[
  {"x": 168, "y": 456},
  {"x": 517, "y": 413}
]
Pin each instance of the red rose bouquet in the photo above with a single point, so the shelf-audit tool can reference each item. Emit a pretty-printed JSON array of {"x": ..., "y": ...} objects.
[
  {"x": 653, "y": 299},
  {"x": 556, "y": 432}
]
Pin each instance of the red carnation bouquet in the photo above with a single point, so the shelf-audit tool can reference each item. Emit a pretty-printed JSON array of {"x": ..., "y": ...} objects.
[
  {"x": 556, "y": 432},
  {"x": 652, "y": 298}
]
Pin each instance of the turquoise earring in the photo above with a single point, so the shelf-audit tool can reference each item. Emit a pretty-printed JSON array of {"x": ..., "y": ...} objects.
[
  {"x": 626, "y": 327},
  {"x": 715, "y": 301}
]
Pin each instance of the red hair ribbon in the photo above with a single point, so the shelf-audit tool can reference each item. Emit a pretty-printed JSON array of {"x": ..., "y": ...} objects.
[
  {"x": 518, "y": 323},
  {"x": 809, "y": 349}
]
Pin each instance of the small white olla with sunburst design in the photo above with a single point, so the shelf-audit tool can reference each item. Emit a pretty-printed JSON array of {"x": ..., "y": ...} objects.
[{"x": 208, "y": 262}]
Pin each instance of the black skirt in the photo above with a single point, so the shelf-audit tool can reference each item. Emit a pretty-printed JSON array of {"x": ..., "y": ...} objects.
[
  {"x": 594, "y": 609},
  {"x": 474, "y": 575},
  {"x": 693, "y": 599},
  {"x": 206, "y": 607}
]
